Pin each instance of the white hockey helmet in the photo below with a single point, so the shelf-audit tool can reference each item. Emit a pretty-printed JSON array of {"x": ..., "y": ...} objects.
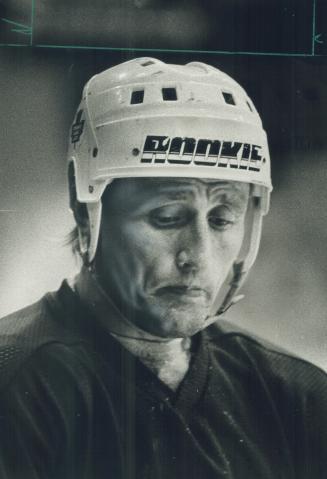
[{"x": 146, "y": 118}]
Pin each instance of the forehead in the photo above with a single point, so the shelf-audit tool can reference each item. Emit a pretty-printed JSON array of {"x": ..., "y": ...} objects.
[{"x": 134, "y": 191}]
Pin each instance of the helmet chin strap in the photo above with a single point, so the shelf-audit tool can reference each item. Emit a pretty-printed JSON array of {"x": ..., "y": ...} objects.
[
  {"x": 235, "y": 284},
  {"x": 241, "y": 267}
]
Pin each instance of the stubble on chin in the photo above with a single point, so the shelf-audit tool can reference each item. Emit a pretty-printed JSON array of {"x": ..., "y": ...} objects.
[{"x": 181, "y": 322}]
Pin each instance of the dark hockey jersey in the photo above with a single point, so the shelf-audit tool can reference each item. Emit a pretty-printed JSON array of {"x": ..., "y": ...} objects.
[{"x": 74, "y": 404}]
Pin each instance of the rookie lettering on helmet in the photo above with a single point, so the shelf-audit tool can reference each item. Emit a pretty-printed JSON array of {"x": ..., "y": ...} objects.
[{"x": 202, "y": 152}]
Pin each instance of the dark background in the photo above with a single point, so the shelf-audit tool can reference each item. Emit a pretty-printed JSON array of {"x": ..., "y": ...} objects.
[
  {"x": 260, "y": 26},
  {"x": 40, "y": 90}
]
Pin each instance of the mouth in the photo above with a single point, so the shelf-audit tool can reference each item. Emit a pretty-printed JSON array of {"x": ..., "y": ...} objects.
[{"x": 182, "y": 291}]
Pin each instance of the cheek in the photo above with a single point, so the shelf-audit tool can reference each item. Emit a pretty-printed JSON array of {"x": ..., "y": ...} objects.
[
  {"x": 227, "y": 247},
  {"x": 148, "y": 252},
  {"x": 233, "y": 240}
]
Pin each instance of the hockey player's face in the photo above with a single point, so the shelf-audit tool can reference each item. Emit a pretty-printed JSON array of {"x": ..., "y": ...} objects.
[{"x": 167, "y": 246}]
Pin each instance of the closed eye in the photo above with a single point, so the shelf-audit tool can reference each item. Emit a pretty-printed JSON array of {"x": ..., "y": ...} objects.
[
  {"x": 221, "y": 218},
  {"x": 169, "y": 216}
]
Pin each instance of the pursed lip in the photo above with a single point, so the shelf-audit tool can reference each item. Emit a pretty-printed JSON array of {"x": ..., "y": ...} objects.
[{"x": 182, "y": 290}]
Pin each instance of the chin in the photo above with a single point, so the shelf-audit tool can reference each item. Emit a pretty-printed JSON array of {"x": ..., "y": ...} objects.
[
  {"x": 172, "y": 318},
  {"x": 180, "y": 324}
]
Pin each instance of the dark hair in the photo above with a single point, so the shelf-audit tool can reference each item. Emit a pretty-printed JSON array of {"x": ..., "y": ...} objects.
[{"x": 72, "y": 240}]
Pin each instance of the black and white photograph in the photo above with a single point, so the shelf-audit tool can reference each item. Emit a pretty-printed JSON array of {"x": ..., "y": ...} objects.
[{"x": 163, "y": 227}]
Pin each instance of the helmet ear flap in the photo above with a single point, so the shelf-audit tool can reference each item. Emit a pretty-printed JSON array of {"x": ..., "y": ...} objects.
[{"x": 80, "y": 212}]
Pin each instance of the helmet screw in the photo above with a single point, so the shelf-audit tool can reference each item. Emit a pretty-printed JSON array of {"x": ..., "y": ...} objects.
[
  {"x": 91, "y": 189},
  {"x": 135, "y": 151},
  {"x": 95, "y": 152}
]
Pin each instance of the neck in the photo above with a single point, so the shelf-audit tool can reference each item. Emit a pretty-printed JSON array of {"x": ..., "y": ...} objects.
[{"x": 168, "y": 359}]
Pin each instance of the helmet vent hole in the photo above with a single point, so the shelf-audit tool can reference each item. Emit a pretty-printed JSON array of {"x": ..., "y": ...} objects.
[
  {"x": 228, "y": 97},
  {"x": 146, "y": 64},
  {"x": 250, "y": 107},
  {"x": 137, "y": 97},
  {"x": 169, "y": 94}
]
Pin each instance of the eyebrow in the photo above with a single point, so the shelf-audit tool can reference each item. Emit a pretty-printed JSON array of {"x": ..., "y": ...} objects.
[
  {"x": 176, "y": 195},
  {"x": 162, "y": 194},
  {"x": 177, "y": 190},
  {"x": 229, "y": 194}
]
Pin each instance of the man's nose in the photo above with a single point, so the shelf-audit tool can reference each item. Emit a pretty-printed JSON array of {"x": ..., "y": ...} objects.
[{"x": 195, "y": 247}]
